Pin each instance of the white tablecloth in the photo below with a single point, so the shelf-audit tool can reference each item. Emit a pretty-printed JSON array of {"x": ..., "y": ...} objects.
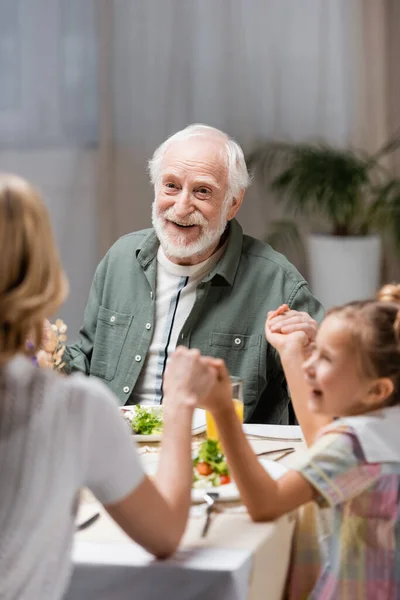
[
  {"x": 117, "y": 571},
  {"x": 238, "y": 560}
]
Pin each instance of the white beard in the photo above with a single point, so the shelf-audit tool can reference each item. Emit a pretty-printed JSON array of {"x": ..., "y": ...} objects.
[{"x": 178, "y": 246}]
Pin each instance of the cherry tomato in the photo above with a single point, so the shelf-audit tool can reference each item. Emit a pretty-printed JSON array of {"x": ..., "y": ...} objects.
[
  {"x": 224, "y": 479},
  {"x": 204, "y": 468}
]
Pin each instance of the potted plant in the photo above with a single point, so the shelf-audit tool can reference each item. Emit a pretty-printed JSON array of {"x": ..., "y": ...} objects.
[{"x": 349, "y": 191}]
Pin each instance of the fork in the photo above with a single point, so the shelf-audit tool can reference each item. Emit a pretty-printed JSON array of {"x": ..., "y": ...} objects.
[
  {"x": 210, "y": 498},
  {"x": 286, "y": 451}
]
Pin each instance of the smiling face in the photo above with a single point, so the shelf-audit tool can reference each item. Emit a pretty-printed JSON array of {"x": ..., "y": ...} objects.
[
  {"x": 338, "y": 386},
  {"x": 190, "y": 210}
]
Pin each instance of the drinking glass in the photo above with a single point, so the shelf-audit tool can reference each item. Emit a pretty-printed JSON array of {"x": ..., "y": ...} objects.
[{"x": 238, "y": 403}]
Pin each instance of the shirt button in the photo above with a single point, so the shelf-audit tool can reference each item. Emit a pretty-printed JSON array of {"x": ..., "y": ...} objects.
[
  {"x": 148, "y": 325},
  {"x": 126, "y": 389},
  {"x": 112, "y": 319},
  {"x": 138, "y": 358},
  {"x": 238, "y": 341}
]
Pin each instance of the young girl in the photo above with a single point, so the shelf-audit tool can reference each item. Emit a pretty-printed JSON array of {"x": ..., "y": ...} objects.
[
  {"x": 346, "y": 394},
  {"x": 59, "y": 434}
]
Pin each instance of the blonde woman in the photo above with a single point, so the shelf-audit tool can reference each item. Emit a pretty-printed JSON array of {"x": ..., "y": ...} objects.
[{"x": 58, "y": 434}]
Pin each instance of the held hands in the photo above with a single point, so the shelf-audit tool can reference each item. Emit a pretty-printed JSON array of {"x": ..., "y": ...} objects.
[
  {"x": 220, "y": 397},
  {"x": 197, "y": 381},
  {"x": 188, "y": 378},
  {"x": 290, "y": 330}
]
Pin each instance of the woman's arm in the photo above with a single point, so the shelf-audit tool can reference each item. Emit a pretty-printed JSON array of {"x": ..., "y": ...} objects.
[{"x": 156, "y": 512}]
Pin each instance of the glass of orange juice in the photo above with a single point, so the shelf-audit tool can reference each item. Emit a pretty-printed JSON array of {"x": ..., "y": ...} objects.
[{"x": 238, "y": 403}]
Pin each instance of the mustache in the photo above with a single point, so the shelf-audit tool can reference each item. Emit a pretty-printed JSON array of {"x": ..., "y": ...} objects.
[{"x": 195, "y": 218}]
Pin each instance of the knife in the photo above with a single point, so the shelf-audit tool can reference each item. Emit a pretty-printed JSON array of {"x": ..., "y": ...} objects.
[{"x": 87, "y": 523}]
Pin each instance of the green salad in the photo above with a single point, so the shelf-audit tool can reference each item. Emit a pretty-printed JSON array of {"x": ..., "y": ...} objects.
[
  {"x": 145, "y": 421},
  {"x": 210, "y": 466}
]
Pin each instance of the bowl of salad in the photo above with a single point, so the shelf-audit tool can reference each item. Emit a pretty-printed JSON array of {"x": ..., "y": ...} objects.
[{"x": 146, "y": 421}]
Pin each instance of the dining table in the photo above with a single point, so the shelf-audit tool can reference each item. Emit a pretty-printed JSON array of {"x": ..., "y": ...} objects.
[{"x": 236, "y": 560}]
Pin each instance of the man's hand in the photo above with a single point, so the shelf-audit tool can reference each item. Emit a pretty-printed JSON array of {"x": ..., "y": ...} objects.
[
  {"x": 287, "y": 328},
  {"x": 188, "y": 378}
]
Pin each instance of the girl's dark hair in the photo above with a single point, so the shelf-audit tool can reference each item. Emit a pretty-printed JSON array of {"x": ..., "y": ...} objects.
[{"x": 375, "y": 329}]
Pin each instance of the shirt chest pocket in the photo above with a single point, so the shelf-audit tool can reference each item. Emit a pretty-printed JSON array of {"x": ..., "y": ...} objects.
[
  {"x": 242, "y": 355},
  {"x": 111, "y": 331},
  {"x": 234, "y": 341}
]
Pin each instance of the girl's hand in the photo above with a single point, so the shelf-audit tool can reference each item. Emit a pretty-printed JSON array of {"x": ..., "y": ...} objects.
[
  {"x": 188, "y": 378},
  {"x": 220, "y": 397},
  {"x": 290, "y": 330}
]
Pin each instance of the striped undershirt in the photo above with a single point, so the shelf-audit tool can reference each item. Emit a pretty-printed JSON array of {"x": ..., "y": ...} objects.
[{"x": 175, "y": 297}]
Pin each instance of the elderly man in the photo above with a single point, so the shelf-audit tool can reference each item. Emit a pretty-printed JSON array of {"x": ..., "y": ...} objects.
[{"x": 193, "y": 280}]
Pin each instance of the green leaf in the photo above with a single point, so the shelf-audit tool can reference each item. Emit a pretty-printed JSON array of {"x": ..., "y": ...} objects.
[
  {"x": 146, "y": 421},
  {"x": 210, "y": 453},
  {"x": 350, "y": 189}
]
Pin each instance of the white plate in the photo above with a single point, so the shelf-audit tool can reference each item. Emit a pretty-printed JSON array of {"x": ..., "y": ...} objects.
[
  {"x": 198, "y": 424},
  {"x": 282, "y": 432},
  {"x": 229, "y": 492}
]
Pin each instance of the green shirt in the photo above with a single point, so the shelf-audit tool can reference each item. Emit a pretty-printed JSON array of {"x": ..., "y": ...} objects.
[{"x": 227, "y": 319}]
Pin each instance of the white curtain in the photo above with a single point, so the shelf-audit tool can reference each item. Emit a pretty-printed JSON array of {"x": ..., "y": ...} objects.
[
  {"x": 49, "y": 123},
  {"x": 48, "y": 73},
  {"x": 254, "y": 68}
]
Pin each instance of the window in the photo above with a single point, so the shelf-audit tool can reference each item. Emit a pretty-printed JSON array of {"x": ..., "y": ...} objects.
[{"x": 48, "y": 73}]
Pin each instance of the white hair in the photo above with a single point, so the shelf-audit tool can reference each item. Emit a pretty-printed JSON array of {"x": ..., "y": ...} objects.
[{"x": 238, "y": 176}]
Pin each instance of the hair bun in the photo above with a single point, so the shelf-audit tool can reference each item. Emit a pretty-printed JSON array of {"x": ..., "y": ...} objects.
[{"x": 389, "y": 293}]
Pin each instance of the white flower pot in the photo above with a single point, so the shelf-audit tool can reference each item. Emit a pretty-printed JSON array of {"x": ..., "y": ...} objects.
[{"x": 343, "y": 269}]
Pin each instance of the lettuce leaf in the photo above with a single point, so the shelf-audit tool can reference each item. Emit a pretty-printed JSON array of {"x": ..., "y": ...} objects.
[{"x": 146, "y": 421}]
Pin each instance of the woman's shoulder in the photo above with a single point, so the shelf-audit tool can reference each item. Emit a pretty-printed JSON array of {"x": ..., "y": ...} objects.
[
  {"x": 80, "y": 387},
  {"x": 22, "y": 379}
]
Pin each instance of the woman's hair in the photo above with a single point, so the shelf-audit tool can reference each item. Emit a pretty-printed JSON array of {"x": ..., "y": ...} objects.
[
  {"x": 375, "y": 329},
  {"x": 32, "y": 282}
]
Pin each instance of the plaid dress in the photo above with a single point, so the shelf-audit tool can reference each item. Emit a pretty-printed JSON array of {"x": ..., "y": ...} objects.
[{"x": 347, "y": 544}]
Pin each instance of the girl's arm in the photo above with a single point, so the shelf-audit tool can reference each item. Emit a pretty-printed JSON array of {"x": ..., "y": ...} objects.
[
  {"x": 264, "y": 498},
  {"x": 294, "y": 345}
]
